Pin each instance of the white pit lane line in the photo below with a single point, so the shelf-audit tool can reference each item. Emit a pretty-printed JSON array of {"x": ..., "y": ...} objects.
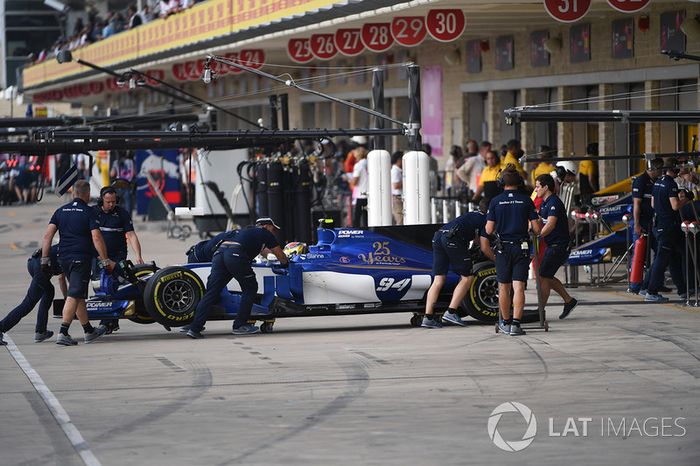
[{"x": 57, "y": 411}]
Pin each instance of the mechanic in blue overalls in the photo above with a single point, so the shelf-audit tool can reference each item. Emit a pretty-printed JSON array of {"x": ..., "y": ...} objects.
[
  {"x": 669, "y": 239},
  {"x": 509, "y": 216},
  {"x": 116, "y": 228},
  {"x": 555, "y": 232},
  {"x": 451, "y": 252},
  {"x": 40, "y": 291},
  {"x": 643, "y": 213},
  {"x": 204, "y": 250},
  {"x": 79, "y": 231},
  {"x": 232, "y": 260}
]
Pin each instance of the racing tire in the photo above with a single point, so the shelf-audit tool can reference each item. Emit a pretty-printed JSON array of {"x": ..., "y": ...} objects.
[
  {"x": 481, "y": 301},
  {"x": 172, "y": 294},
  {"x": 142, "y": 316}
]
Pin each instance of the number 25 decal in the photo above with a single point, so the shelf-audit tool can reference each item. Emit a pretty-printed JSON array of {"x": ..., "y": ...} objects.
[{"x": 387, "y": 282}]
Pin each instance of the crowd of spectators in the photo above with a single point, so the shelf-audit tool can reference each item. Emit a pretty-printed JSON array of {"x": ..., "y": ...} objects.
[{"x": 96, "y": 27}]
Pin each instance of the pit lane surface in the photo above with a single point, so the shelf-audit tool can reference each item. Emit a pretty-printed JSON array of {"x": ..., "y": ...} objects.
[{"x": 346, "y": 390}]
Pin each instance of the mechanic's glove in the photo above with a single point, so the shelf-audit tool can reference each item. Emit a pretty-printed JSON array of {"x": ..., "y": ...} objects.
[
  {"x": 45, "y": 265},
  {"x": 108, "y": 265}
]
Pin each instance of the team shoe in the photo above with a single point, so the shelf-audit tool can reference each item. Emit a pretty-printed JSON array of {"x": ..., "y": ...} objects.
[
  {"x": 110, "y": 328},
  {"x": 41, "y": 336},
  {"x": 246, "y": 329},
  {"x": 2, "y": 341},
  {"x": 95, "y": 334},
  {"x": 65, "y": 340},
  {"x": 568, "y": 307},
  {"x": 195, "y": 335},
  {"x": 451, "y": 318},
  {"x": 186, "y": 328},
  {"x": 655, "y": 298},
  {"x": 516, "y": 330},
  {"x": 503, "y": 327},
  {"x": 642, "y": 293},
  {"x": 430, "y": 321}
]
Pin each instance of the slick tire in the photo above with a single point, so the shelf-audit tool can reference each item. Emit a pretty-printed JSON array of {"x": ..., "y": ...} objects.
[
  {"x": 481, "y": 301},
  {"x": 142, "y": 316},
  {"x": 172, "y": 294}
]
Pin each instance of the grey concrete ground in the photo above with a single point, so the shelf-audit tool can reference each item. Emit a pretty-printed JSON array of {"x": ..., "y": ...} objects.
[{"x": 352, "y": 390}]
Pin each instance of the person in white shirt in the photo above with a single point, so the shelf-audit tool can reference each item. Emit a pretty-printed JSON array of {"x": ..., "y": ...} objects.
[
  {"x": 397, "y": 187},
  {"x": 471, "y": 169},
  {"x": 360, "y": 186}
]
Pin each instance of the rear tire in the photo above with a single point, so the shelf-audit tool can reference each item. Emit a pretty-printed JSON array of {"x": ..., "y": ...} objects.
[{"x": 172, "y": 294}]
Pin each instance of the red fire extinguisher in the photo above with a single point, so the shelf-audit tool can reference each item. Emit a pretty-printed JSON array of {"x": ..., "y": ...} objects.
[{"x": 640, "y": 253}]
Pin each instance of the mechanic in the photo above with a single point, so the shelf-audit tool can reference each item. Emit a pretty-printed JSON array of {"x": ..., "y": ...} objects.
[
  {"x": 204, "y": 250},
  {"x": 451, "y": 251},
  {"x": 669, "y": 240},
  {"x": 40, "y": 291},
  {"x": 556, "y": 236},
  {"x": 232, "y": 260},
  {"x": 79, "y": 229},
  {"x": 510, "y": 213},
  {"x": 116, "y": 228},
  {"x": 642, "y": 212}
]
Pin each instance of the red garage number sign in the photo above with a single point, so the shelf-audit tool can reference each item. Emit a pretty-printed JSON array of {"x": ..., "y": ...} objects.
[
  {"x": 323, "y": 46},
  {"x": 377, "y": 36},
  {"x": 348, "y": 42},
  {"x": 567, "y": 11},
  {"x": 299, "y": 50},
  {"x": 408, "y": 31},
  {"x": 445, "y": 25},
  {"x": 629, "y": 6}
]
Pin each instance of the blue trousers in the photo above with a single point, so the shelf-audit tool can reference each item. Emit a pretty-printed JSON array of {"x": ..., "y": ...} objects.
[
  {"x": 669, "y": 253},
  {"x": 228, "y": 263},
  {"x": 40, "y": 291}
]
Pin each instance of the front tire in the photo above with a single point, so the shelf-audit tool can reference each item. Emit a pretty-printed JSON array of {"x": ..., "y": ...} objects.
[
  {"x": 172, "y": 294},
  {"x": 142, "y": 316},
  {"x": 481, "y": 301}
]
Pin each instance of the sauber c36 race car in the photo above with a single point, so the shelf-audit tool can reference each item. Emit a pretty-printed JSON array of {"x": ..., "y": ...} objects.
[{"x": 348, "y": 271}]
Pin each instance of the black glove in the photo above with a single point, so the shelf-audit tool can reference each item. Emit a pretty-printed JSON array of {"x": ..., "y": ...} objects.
[{"x": 46, "y": 266}]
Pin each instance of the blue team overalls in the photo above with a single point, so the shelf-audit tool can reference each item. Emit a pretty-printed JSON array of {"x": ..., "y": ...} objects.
[
  {"x": 232, "y": 260},
  {"x": 669, "y": 240},
  {"x": 40, "y": 290}
]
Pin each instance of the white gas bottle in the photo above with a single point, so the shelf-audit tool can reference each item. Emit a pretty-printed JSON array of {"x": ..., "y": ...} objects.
[
  {"x": 416, "y": 188},
  {"x": 379, "y": 195}
]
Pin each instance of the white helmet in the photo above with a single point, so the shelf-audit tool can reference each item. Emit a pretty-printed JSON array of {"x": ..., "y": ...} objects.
[
  {"x": 569, "y": 166},
  {"x": 360, "y": 140}
]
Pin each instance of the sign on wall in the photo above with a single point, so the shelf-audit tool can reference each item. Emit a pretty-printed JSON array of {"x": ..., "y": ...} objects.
[
  {"x": 567, "y": 11},
  {"x": 629, "y": 6},
  {"x": 408, "y": 31},
  {"x": 377, "y": 37},
  {"x": 623, "y": 38},
  {"x": 299, "y": 50},
  {"x": 348, "y": 42},
  {"x": 445, "y": 25}
]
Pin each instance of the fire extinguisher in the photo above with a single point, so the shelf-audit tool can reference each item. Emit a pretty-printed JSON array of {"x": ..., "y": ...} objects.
[{"x": 640, "y": 254}]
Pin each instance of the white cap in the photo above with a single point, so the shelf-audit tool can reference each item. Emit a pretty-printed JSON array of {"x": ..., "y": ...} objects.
[{"x": 361, "y": 140}]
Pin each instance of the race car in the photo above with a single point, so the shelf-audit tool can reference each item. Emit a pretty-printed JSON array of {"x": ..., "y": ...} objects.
[{"x": 348, "y": 271}]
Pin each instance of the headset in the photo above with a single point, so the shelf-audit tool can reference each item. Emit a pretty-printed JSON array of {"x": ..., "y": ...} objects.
[
  {"x": 107, "y": 190},
  {"x": 508, "y": 168}
]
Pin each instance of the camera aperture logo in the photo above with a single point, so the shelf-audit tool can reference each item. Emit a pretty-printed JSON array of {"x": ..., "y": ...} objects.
[{"x": 530, "y": 431}]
